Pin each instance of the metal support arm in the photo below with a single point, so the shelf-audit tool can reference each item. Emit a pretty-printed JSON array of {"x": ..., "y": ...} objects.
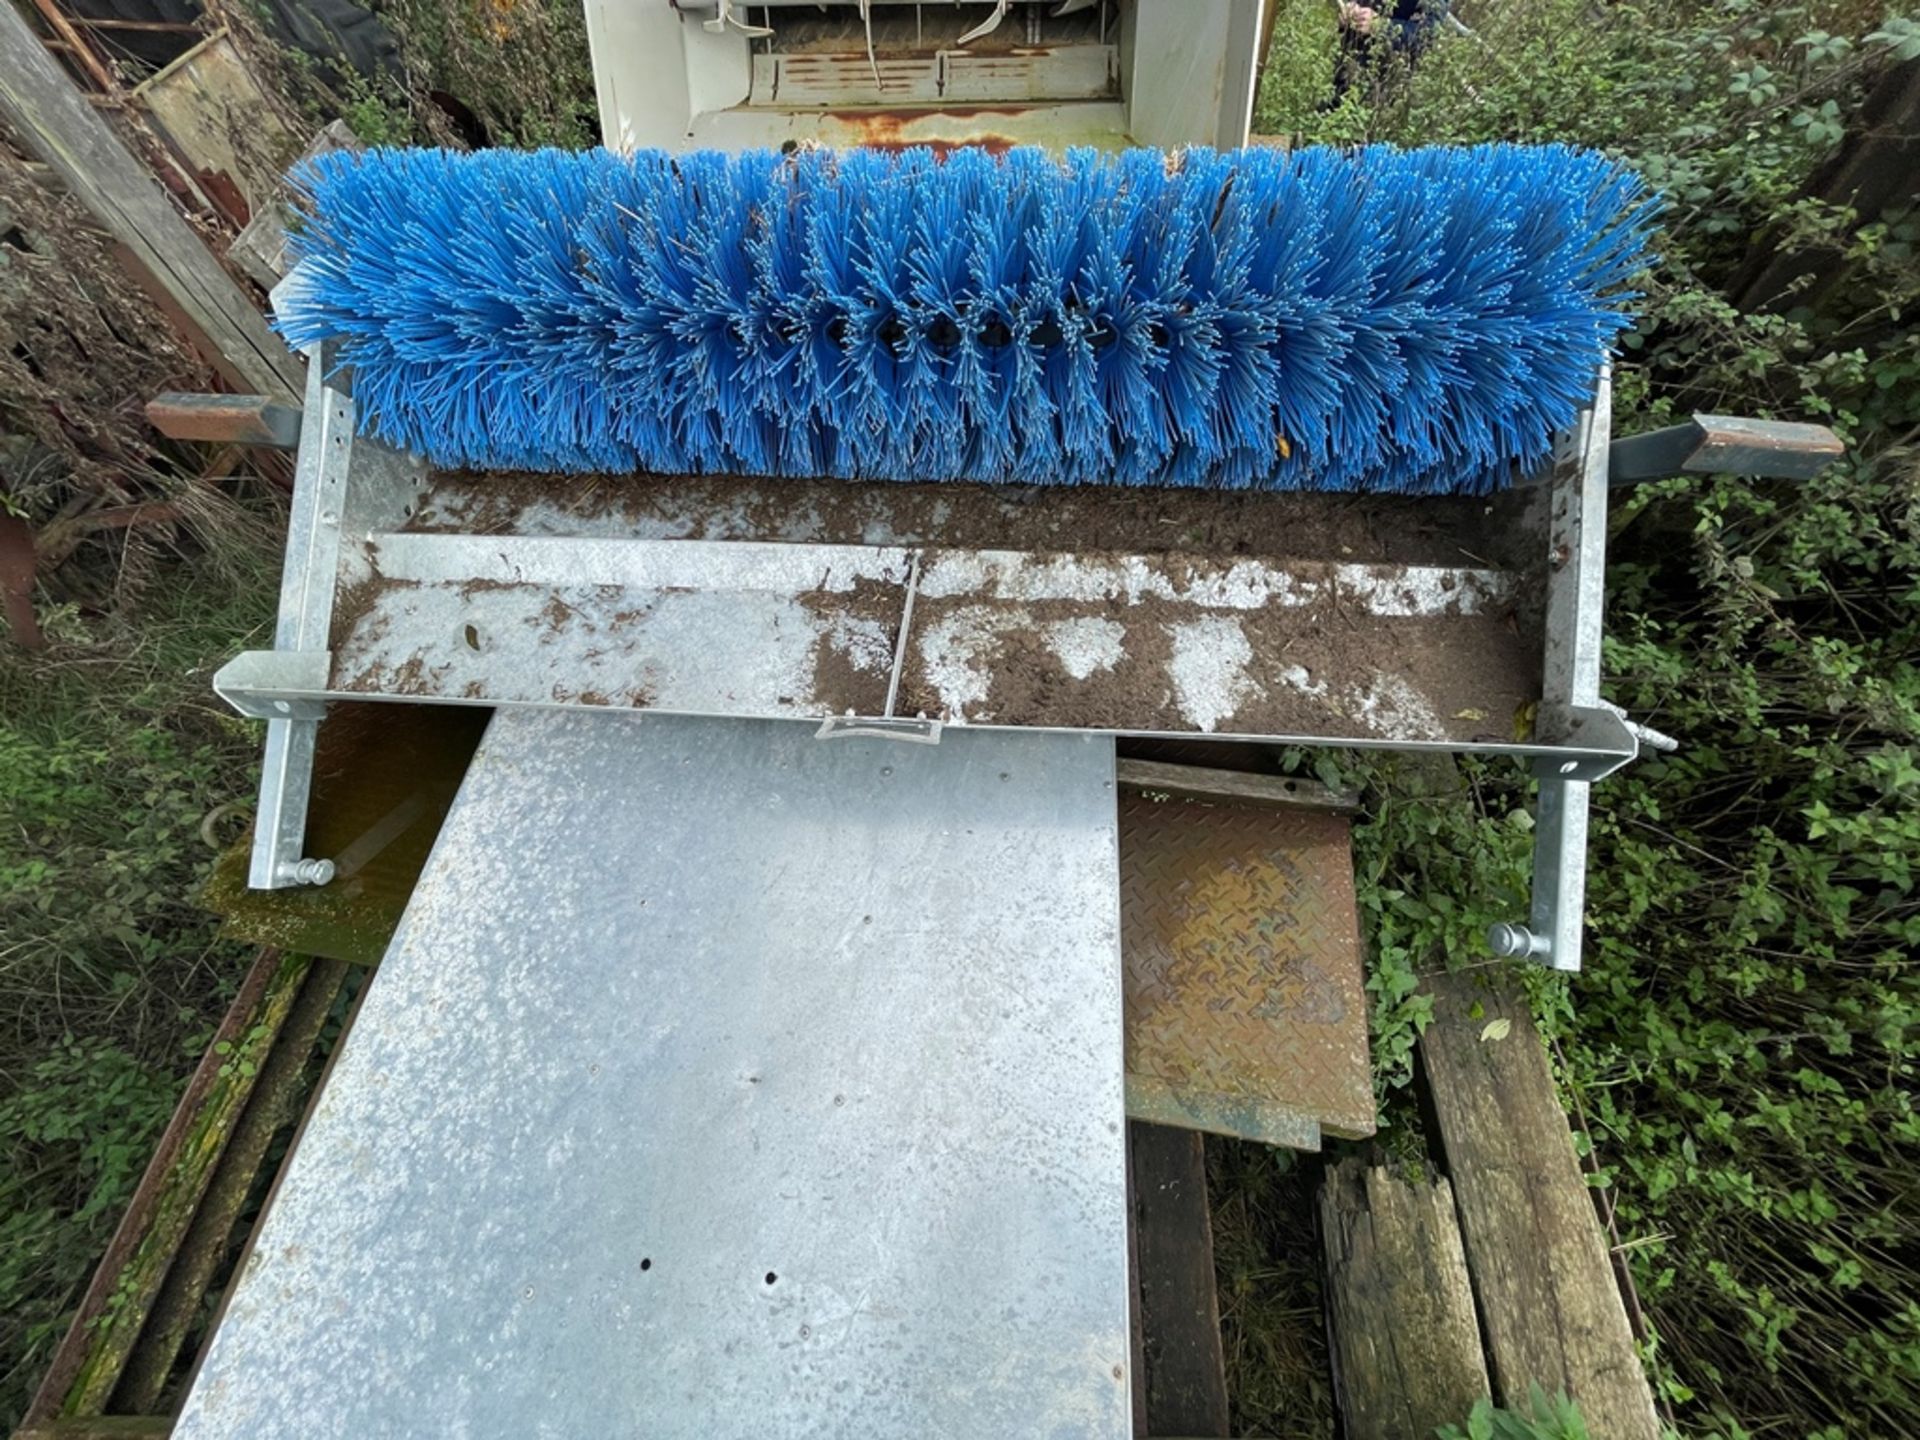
[
  {"x": 1725, "y": 445},
  {"x": 306, "y": 613},
  {"x": 1570, "y": 693}
]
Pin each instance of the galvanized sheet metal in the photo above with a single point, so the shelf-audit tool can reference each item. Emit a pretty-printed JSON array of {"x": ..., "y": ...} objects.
[
  {"x": 1148, "y": 643},
  {"x": 720, "y": 1081}
]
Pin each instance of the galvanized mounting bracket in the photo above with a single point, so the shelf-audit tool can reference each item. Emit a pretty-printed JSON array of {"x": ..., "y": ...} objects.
[
  {"x": 1571, "y": 709},
  {"x": 282, "y": 685},
  {"x": 300, "y": 638},
  {"x": 353, "y": 499},
  {"x": 1570, "y": 705},
  {"x": 916, "y": 732}
]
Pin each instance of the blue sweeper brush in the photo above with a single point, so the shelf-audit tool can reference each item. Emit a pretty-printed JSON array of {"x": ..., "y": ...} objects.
[{"x": 1414, "y": 321}]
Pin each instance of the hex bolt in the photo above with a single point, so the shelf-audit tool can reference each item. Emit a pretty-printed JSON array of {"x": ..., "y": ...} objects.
[
  {"x": 1516, "y": 941},
  {"x": 308, "y": 872},
  {"x": 1651, "y": 738}
]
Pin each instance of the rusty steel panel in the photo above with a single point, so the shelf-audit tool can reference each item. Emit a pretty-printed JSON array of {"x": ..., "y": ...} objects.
[{"x": 1245, "y": 1008}]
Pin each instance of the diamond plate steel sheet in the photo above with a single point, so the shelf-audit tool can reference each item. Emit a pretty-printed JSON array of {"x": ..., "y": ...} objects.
[{"x": 1245, "y": 1004}]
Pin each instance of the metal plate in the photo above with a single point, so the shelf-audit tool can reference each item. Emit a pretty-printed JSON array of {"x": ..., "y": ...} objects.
[
  {"x": 1439, "y": 530},
  {"x": 719, "y": 1081},
  {"x": 1246, "y": 1009},
  {"x": 1164, "y": 643}
]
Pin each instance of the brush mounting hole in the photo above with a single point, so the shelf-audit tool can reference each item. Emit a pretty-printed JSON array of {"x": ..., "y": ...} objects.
[
  {"x": 994, "y": 333},
  {"x": 646, "y": 1264},
  {"x": 771, "y": 1277},
  {"x": 471, "y": 637},
  {"x": 944, "y": 333},
  {"x": 1046, "y": 334}
]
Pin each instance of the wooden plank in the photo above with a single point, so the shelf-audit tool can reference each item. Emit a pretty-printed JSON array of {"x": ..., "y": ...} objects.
[
  {"x": 1289, "y": 790},
  {"x": 203, "y": 1248},
  {"x": 40, "y": 105},
  {"x": 1406, "y": 1344},
  {"x": 208, "y": 103},
  {"x": 143, "y": 27},
  {"x": 1186, "y": 1378},
  {"x": 1548, "y": 1302},
  {"x": 19, "y": 562},
  {"x": 90, "y": 1358},
  {"x": 225, "y": 419},
  {"x": 261, "y": 251}
]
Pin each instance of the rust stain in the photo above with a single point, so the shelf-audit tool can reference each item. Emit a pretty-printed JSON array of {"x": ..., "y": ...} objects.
[{"x": 889, "y": 129}]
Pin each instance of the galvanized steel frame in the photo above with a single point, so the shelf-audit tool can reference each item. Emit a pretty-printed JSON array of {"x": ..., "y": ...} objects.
[
  {"x": 341, "y": 486},
  {"x": 1570, "y": 706},
  {"x": 346, "y": 489}
]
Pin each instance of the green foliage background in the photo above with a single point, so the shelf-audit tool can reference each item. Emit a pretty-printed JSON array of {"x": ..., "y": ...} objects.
[
  {"x": 1743, "y": 1041},
  {"x": 118, "y": 769}
]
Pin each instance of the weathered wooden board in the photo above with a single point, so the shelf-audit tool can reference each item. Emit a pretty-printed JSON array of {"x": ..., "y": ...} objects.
[
  {"x": 1186, "y": 1382},
  {"x": 208, "y": 102},
  {"x": 1548, "y": 1301},
  {"x": 48, "y": 116},
  {"x": 280, "y": 1085},
  {"x": 90, "y": 1360},
  {"x": 1406, "y": 1345}
]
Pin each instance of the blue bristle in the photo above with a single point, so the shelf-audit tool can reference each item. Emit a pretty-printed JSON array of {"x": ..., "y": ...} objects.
[{"x": 1418, "y": 321}]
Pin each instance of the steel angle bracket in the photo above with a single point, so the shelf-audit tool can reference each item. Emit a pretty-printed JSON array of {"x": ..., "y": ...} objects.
[
  {"x": 275, "y": 684},
  {"x": 1571, "y": 710},
  {"x": 306, "y": 611},
  {"x": 280, "y": 685}
]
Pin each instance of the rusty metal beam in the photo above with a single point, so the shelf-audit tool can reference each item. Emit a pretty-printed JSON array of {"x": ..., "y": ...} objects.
[
  {"x": 225, "y": 419},
  {"x": 1293, "y": 791},
  {"x": 76, "y": 45},
  {"x": 1725, "y": 445}
]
